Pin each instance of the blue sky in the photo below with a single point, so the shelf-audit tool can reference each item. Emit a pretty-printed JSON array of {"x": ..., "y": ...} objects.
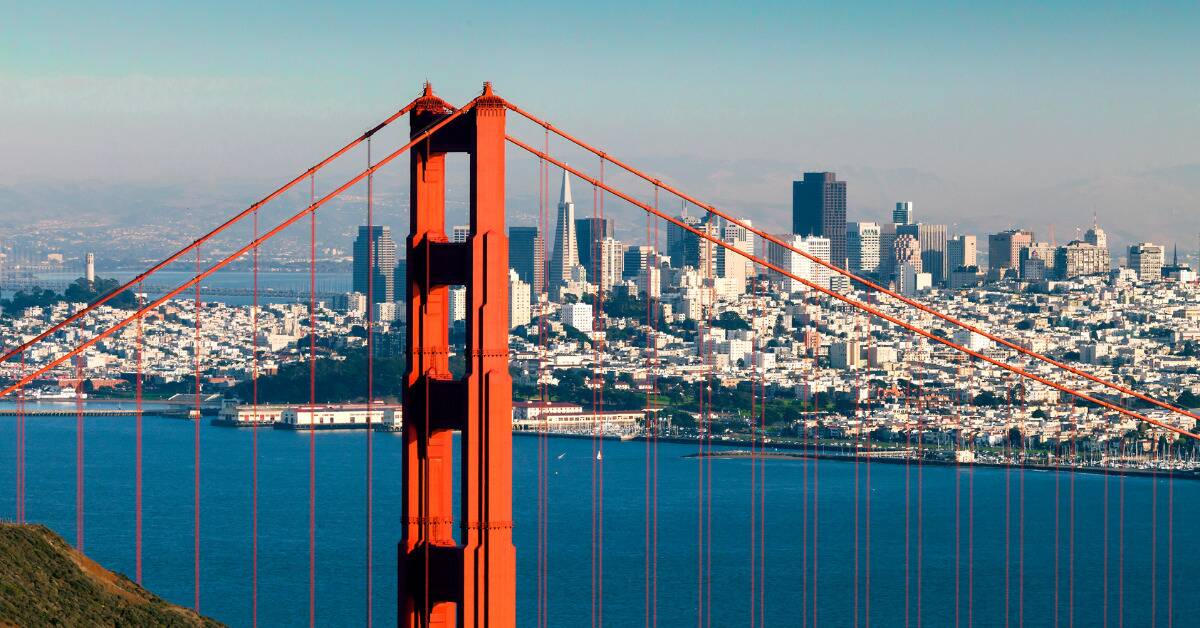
[{"x": 968, "y": 108}]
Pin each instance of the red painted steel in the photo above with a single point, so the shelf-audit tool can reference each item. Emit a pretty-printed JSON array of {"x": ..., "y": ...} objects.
[{"x": 472, "y": 584}]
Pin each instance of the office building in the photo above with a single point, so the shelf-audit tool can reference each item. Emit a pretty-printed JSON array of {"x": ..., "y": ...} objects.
[
  {"x": 961, "y": 252},
  {"x": 797, "y": 264},
  {"x": 609, "y": 263},
  {"x": 375, "y": 264},
  {"x": 1146, "y": 260},
  {"x": 910, "y": 280},
  {"x": 590, "y": 232},
  {"x": 1097, "y": 238},
  {"x": 903, "y": 214},
  {"x": 862, "y": 247},
  {"x": 932, "y": 240},
  {"x": 887, "y": 251},
  {"x": 458, "y": 303},
  {"x": 519, "y": 311},
  {"x": 636, "y": 258},
  {"x": 527, "y": 256},
  {"x": 683, "y": 246},
  {"x": 1081, "y": 258},
  {"x": 906, "y": 250},
  {"x": 565, "y": 258},
  {"x": 1004, "y": 248},
  {"x": 732, "y": 266},
  {"x": 1036, "y": 261},
  {"x": 819, "y": 209}
]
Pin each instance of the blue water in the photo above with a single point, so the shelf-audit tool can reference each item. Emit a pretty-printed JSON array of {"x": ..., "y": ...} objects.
[{"x": 283, "y": 548}]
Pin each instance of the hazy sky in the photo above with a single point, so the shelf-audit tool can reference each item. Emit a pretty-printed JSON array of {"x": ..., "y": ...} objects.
[{"x": 976, "y": 112}]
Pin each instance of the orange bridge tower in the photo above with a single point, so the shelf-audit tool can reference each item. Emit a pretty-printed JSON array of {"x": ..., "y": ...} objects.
[{"x": 471, "y": 581}]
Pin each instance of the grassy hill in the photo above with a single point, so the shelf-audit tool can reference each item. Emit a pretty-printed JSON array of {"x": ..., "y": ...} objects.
[{"x": 46, "y": 582}]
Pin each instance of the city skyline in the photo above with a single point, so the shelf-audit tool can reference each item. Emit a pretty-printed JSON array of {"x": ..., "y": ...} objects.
[{"x": 1015, "y": 145}]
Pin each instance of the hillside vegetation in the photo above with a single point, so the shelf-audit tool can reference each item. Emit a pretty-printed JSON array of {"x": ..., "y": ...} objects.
[{"x": 46, "y": 582}]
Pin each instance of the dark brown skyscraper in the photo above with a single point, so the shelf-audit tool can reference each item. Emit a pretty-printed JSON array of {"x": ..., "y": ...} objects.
[{"x": 819, "y": 208}]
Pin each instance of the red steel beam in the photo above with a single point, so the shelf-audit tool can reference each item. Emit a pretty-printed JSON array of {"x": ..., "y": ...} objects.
[
  {"x": 222, "y": 227},
  {"x": 910, "y": 302},
  {"x": 854, "y": 302},
  {"x": 242, "y": 251}
]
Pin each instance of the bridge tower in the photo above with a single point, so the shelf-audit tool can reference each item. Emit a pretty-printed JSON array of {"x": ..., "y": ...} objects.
[{"x": 469, "y": 582}]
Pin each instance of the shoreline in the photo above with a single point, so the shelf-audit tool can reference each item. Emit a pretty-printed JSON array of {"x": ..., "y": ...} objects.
[{"x": 788, "y": 451}]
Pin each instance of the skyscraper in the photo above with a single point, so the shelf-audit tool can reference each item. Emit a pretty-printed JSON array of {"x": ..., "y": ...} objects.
[
  {"x": 379, "y": 264},
  {"x": 636, "y": 258},
  {"x": 590, "y": 232},
  {"x": 932, "y": 239},
  {"x": 527, "y": 256},
  {"x": 683, "y": 246},
  {"x": 887, "y": 250},
  {"x": 903, "y": 214},
  {"x": 819, "y": 209},
  {"x": 566, "y": 248},
  {"x": 906, "y": 251},
  {"x": 862, "y": 247},
  {"x": 961, "y": 252}
]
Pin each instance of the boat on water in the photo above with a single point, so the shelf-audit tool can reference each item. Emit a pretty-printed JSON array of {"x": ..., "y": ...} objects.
[
  {"x": 628, "y": 437},
  {"x": 62, "y": 394}
]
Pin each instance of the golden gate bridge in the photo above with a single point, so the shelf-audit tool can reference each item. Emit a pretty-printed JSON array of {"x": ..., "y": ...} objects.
[{"x": 469, "y": 578}]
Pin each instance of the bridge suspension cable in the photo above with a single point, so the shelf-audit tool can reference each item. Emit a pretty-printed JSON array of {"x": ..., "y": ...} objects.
[
  {"x": 859, "y": 304},
  {"x": 253, "y": 209},
  {"x": 842, "y": 271},
  {"x": 420, "y": 137}
]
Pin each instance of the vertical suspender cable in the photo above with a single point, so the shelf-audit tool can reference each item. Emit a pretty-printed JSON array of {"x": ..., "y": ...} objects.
[
  {"x": 79, "y": 454},
  {"x": 312, "y": 400},
  {"x": 21, "y": 447},
  {"x": 254, "y": 433},
  {"x": 907, "y": 502},
  {"x": 867, "y": 532},
  {"x": 196, "y": 451},
  {"x": 138, "y": 447},
  {"x": 370, "y": 372},
  {"x": 536, "y": 288}
]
